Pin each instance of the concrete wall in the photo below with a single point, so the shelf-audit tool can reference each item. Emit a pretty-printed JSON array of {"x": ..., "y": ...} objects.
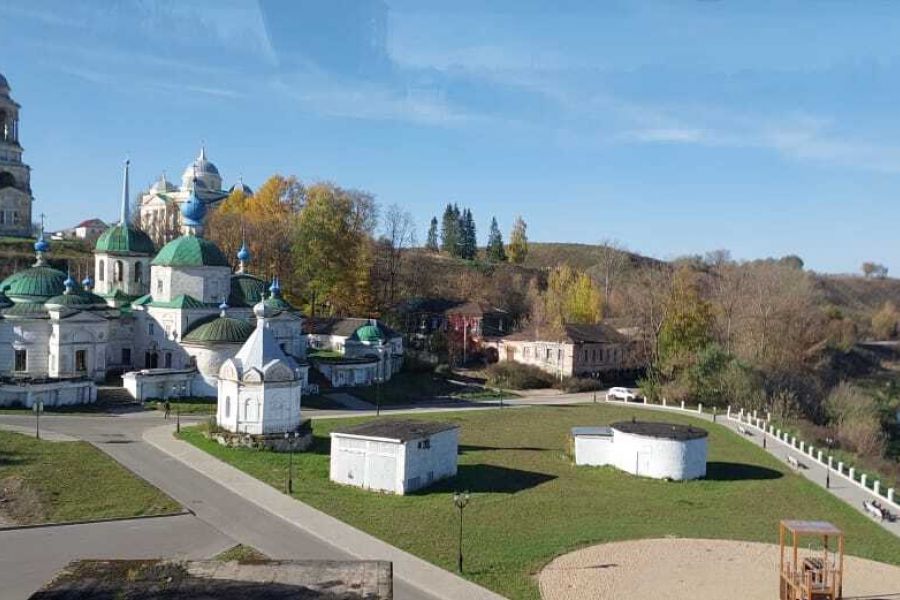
[
  {"x": 659, "y": 458},
  {"x": 425, "y": 465},
  {"x": 372, "y": 464},
  {"x": 593, "y": 450},
  {"x": 56, "y": 393},
  {"x": 207, "y": 284}
]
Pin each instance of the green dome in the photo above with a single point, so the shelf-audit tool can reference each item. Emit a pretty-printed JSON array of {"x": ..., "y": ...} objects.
[
  {"x": 37, "y": 283},
  {"x": 80, "y": 300},
  {"x": 246, "y": 290},
  {"x": 26, "y": 310},
  {"x": 190, "y": 251},
  {"x": 122, "y": 239},
  {"x": 220, "y": 330},
  {"x": 278, "y": 304},
  {"x": 369, "y": 333}
]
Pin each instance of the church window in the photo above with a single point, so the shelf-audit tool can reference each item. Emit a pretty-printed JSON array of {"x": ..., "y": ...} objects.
[
  {"x": 80, "y": 361},
  {"x": 118, "y": 271},
  {"x": 2, "y": 217},
  {"x": 21, "y": 360},
  {"x": 227, "y": 406},
  {"x": 168, "y": 360},
  {"x": 159, "y": 286},
  {"x": 126, "y": 356},
  {"x": 101, "y": 270},
  {"x": 15, "y": 217},
  {"x": 150, "y": 329},
  {"x": 137, "y": 272}
]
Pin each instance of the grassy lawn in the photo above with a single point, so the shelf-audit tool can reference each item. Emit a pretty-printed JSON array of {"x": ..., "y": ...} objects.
[
  {"x": 51, "y": 482},
  {"x": 530, "y": 503}
]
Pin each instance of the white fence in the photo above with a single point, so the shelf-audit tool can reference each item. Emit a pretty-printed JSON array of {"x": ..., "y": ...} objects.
[{"x": 764, "y": 427}]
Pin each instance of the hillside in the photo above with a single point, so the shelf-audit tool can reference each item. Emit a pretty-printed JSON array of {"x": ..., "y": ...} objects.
[
  {"x": 17, "y": 254},
  {"x": 585, "y": 257},
  {"x": 855, "y": 295}
]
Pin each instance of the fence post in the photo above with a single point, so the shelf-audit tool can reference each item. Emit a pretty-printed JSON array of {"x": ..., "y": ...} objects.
[
  {"x": 664, "y": 402},
  {"x": 754, "y": 414},
  {"x": 728, "y": 412},
  {"x": 862, "y": 479},
  {"x": 852, "y": 474},
  {"x": 876, "y": 487},
  {"x": 890, "y": 494},
  {"x": 682, "y": 405},
  {"x": 810, "y": 450},
  {"x": 820, "y": 456},
  {"x": 645, "y": 399},
  {"x": 840, "y": 468},
  {"x": 700, "y": 408}
]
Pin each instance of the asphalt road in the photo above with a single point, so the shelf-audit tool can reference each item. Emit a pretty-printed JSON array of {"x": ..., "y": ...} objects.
[{"x": 221, "y": 518}]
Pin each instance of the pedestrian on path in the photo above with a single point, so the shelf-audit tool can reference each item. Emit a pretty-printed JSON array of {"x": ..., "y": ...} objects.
[{"x": 168, "y": 407}]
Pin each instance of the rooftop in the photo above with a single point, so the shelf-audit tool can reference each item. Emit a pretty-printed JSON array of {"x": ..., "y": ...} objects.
[
  {"x": 661, "y": 430},
  {"x": 344, "y": 327},
  {"x": 575, "y": 333},
  {"x": 401, "y": 430}
]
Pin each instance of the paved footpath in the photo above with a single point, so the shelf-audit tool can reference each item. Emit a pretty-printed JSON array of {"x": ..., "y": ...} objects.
[
  {"x": 414, "y": 571},
  {"x": 840, "y": 487}
]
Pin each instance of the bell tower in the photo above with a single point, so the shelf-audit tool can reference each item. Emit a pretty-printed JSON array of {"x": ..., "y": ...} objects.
[{"x": 15, "y": 176}]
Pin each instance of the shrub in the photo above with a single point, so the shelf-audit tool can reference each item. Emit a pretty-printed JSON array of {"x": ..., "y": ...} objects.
[
  {"x": 855, "y": 415},
  {"x": 579, "y": 384},
  {"x": 518, "y": 376},
  {"x": 442, "y": 369}
]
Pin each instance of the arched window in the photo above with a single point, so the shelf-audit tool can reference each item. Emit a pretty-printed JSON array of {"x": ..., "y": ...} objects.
[
  {"x": 118, "y": 271},
  {"x": 227, "y": 406},
  {"x": 101, "y": 270},
  {"x": 137, "y": 272}
]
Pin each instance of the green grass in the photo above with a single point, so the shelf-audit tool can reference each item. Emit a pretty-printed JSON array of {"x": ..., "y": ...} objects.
[
  {"x": 53, "y": 482},
  {"x": 242, "y": 554},
  {"x": 412, "y": 388},
  {"x": 531, "y": 504}
]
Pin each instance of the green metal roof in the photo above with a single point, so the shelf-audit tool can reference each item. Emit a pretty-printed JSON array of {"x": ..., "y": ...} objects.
[
  {"x": 122, "y": 239},
  {"x": 145, "y": 299},
  {"x": 26, "y": 310},
  {"x": 37, "y": 283},
  {"x": 190, "y": 251},
  {"x": 277, "y": 303},
  {"x": 76, "y": 301},
  {"x": 182, "y": 301},
  {"x": 220, "y": 330},
  {"x": 246, "y": 290},
  {"x": 368, "y": 333}
]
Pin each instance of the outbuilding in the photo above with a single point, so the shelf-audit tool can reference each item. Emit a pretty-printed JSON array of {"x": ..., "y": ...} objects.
[
  {"x": 646, "y": 448},
  {"x": 394, "y": 456}
]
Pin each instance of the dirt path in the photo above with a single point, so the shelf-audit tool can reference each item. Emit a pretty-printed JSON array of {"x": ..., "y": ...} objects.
[{"x": 689, "y": 569}]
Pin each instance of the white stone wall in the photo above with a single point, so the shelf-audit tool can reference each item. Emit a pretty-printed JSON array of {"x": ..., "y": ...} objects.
[
  {"x": 159, "y": 383},
  {"x": 559, "y": 362},
  {"x": 57, "y": 393},
  {"x": 207, "y": 284},
  {"x": 227, "y": 407},
  {"x": 425, "y": 465},
  {"x": 209, "y": 360},
  {"x": 33, "y": 336},
  {"x": 81, "y": 332},
  {"x": 593, "y": 450},
  {"x": 646, "y": 456},
  {"x": 373, "y": 464},
  {"x": 105, "y": 274},
  {"x": 281, "y": 407}
]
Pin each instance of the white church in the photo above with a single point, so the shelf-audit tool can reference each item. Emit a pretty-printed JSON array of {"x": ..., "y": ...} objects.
[{"x": 169, "y": 321}]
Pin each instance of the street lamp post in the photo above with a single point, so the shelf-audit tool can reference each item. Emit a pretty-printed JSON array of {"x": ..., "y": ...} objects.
[
  {"x": 290, "y": 440},
  {"x": 38, "y": 409},
  {"x": 829, "y": 441},
  {"x": 377, "y": 395},
  {"x": 460, "y": 499}
]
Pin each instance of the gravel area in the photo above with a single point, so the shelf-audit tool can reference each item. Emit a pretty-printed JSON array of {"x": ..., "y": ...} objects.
[{"x": 690, "y": 569}]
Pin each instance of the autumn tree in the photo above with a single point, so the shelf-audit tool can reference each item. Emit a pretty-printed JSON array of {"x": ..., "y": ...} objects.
[
  {"x": 885, "y": 321},
  {"x": 397, "y": 235},
  {"x": 431, "y": 243},
  {"x": 571, "y": 297},
  {"x": 687, "y": 328},
  {"x": 495, "y": 250},
  {"x": 333, "y": 250},
  {"x": 517, "y": 249},
  {"x": 876, "y": 270},
  {"x": 612, "y": 262}
]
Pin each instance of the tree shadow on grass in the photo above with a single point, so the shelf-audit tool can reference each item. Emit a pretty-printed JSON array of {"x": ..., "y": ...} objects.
[
  {"x": 489, "y": 479},
  {"x": 11, "y": 458},
  {"x": 727, "y": 471}
]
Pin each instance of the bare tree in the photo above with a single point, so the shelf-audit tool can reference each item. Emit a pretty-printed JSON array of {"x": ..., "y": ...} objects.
[
  {"x": 398, "y": 235},
  {"x": 613, "y": 260}
]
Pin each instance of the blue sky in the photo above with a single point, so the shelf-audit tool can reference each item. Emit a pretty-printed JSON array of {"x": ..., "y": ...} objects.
[{"x": 764, "y": 127}]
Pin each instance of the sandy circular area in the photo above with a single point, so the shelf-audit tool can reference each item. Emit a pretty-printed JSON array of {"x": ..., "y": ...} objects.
[{"x": 691, "y": 569}]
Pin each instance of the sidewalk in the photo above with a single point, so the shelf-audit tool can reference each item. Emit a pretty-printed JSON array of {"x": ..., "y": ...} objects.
[
  {"x": 840, "y": 487},
  {"x": 412, "y": 570}
]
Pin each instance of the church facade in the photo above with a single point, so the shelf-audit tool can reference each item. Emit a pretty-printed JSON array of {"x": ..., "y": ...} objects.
[
  {"x": 15, "y": 176},
  {"x": 166, "y": 320},
  {"x": 160, "y": 206}
]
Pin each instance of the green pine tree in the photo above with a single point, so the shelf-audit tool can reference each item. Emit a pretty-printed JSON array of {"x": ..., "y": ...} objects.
[
  {"x": 495, "y": 250},
  {"x": 450, "y": 231}
]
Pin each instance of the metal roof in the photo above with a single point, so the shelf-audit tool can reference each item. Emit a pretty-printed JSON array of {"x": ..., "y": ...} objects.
[
  {"x": 402, "y": 430},
  {"x": 598, "y": 431}
]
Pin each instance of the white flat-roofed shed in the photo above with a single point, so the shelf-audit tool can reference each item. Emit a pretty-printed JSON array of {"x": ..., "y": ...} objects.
[
  {"x": 395, "y": 456},
  {"x": 646, "y": 448}
]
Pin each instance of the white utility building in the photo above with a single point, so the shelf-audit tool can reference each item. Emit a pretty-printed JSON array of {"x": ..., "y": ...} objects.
[
  {"x": 394, "y": 456},
  {"x": 645, "y": 448}
]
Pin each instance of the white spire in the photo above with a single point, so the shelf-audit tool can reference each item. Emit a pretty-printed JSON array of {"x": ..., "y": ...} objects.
[
  {"x": 202, "y": 151},
  {"x": 124, "y": 216}
]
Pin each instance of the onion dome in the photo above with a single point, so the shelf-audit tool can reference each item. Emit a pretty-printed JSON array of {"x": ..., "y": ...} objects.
[
  {"x": 190, "y": 251},
  {"x": 219, "y": 330},
  {"x": 41, "y": 245},
  {"x": 88, "y": 283},
  {"x": 124, "y": 239},
  {"x": 35, "y": 284},
  {"x": 243, "y": 254},
  {"x": 202, "y": 172},
  {"x": 246, "y": 290},
  {"x": 275, "y": 302},
  {"x": 193, "y": 210},
  {"x": 240, "y": 186},
  {"x": 163, "y": 186},
  {"x": 369, "y": 333}
]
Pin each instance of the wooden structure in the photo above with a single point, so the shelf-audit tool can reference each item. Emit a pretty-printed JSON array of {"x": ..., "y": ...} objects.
[{"x": 811, "y": 574}]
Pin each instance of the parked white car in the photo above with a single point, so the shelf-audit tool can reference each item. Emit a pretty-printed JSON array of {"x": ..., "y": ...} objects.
[{"x": 624, "y": 394}]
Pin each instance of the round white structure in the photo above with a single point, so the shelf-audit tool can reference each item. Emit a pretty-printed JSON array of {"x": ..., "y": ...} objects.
[{"x": 646, "y": 448}]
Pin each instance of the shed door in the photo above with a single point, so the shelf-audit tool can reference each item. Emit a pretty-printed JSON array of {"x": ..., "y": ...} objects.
[
  {"x": 643, "y": 461},
  {"x": 381, "y": 472}
]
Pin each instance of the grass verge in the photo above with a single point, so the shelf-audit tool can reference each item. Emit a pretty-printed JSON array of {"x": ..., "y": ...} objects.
[
  {"x": 56, "y": 482},
  {"x": 531, "y": 504}
]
